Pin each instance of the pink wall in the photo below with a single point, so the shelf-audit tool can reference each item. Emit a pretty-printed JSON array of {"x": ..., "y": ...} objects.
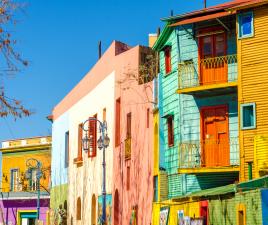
[{"x": 135, "y": 99}]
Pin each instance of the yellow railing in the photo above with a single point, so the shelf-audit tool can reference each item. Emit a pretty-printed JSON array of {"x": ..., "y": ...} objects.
[
  {"x": 193, "y": 74},
  {"x": 205, "y": 153},
  {"x": 127, "y": 148}
]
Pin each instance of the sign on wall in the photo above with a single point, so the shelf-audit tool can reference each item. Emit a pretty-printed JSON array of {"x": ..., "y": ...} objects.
[
  {"x": 163, "y": 219},
  {"x": 108, "y": 209}
]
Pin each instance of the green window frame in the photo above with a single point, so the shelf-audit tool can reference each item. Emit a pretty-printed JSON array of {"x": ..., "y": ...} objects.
[
  {"x": 248, "y": 116},
  {"x": 243, "y": 22}
]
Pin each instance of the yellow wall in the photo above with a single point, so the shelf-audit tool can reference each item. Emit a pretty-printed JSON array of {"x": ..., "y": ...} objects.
[
  {"x": 253, "y": 85},
  {"x": 190, "y": 209},
  {"x": 15, "y": 157}
]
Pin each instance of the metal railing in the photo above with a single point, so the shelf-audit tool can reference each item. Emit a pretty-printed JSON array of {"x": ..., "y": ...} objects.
[
  {"x": 207, "y": 71},
  {"x": 127, "y": 148},
  {"x": 209, "y": 153}
]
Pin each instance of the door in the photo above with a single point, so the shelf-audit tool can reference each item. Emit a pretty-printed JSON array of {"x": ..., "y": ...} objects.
[
  {"x": 204, "y": 212},
  {"x": 215, "y": 136},
  {"x": 213, "y": 61}
]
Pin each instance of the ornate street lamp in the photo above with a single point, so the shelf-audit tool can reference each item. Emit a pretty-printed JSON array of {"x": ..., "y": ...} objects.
[{"x": 102, "y": 143}]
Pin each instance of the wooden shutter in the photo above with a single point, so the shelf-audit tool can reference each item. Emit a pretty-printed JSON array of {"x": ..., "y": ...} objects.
[
  {"x": 170, "y": 131},
  {"x": 129, "y": 125},
  {"x": 117, "y": 122},
  {"x": 80, "y": 134},
  {"x": 168, "y": 59},
  {"x": 92, "y": 133}
]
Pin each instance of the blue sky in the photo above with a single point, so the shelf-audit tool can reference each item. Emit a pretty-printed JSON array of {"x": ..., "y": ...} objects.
[{"x": 59, "y": 38}]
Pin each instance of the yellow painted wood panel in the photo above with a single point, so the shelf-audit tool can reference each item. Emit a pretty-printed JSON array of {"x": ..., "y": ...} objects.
[
  {"x": 253, "y": 66},
  {"x": 261, "y": 154},
  {"x": 156, "y": 143}
]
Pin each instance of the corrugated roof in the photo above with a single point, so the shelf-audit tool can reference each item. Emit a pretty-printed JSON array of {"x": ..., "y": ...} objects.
[
  {"x": 227, "y": 189},
  {"x": 216, "y": 8},
  {"x": 200, "y": 18}
]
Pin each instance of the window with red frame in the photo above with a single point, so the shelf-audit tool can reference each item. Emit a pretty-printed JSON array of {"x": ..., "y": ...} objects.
[
  {"x": 128, "y": 177},
  {"x": 117, "y": 121},
  {"x": 168, "y": 59},
  {"x": 170, "y": 126},
  {"x": 92, "y": 152}
]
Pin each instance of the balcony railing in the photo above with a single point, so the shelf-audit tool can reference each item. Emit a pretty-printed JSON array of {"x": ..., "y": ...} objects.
[
  {"x": 209, "y": 153},
  {"x": 127, "y": 148},
  {"x": 207, "y": 71}
]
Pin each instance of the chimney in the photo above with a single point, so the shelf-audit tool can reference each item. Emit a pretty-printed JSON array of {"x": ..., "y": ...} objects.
[
  {"x": 152, "y": 39},
  {"x": 158, "y": 31},
  {"x": 171, "y": 12},
  {"x": 99, "y": 45},
  {"x": 205, "y": 4}
]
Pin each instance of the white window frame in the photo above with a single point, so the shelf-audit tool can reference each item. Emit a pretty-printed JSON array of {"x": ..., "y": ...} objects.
[{"x": 242, "y": 106}]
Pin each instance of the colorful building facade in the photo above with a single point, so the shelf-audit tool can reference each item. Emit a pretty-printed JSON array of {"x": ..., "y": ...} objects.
[
  {"x": 19, "y": 180},
  {"x": 133, "y": 161},
  {"x": 208, "y": 109},
  {"x": 110, "y": 92}
]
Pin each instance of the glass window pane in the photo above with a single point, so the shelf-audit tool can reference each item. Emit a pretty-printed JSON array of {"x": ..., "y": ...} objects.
[
  {"x": 248, "y": 116},
  {"x": 207, "y": 47},
  {"x": 220, "y": 45},
  {"x": 246, "y": 25}
]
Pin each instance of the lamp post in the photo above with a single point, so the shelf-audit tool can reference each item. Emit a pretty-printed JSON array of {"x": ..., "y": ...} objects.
[
  {"x": 34, "y": 164},
  {"x": 103, "y": 143}
]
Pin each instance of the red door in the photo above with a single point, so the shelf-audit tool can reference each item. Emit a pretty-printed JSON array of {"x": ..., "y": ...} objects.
[
  {"x": 213, "y": 63},
  {"x": 215, "y": 136},
  {"x": 204, "y": 211}
]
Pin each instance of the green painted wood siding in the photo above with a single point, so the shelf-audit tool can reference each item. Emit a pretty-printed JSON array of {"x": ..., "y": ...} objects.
[
  {"x": 170, "y": 104},
  {"x": 223, "y": 210}
]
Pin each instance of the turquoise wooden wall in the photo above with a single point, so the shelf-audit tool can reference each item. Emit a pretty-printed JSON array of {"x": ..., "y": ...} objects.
[{"x": 185, "y": 109}]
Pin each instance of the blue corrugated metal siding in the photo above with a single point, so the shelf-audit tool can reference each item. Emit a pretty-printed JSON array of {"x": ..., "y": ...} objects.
[{"x": 264, "y": 199}]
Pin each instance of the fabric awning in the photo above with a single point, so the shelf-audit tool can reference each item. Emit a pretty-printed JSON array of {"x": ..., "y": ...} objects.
[{"x": 201, "y": 18}]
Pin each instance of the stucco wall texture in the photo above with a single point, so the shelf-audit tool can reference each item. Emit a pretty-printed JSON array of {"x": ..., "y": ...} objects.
[
  {"x": 138, "y": 170},
  {"x": 99, "y": 89}
]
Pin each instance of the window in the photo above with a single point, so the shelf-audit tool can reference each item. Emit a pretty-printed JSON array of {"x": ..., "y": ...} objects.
[
  {"x": 104, "y": 114},
  {"x": 246, "y": 28},
  {"x": 129, "y": 125},
  {"x": 155, "y": 188},
  {"x": 170, "y": 126},
  {"x": 33, "y": 180},
  {"x": 241, "y": 214},
  {"x": 148, "y": 118},
  {"x": 66, "y": 149},
  {"x": 78, "y": 209},
  {"x": 168, "y": 59},
  {"x": 128, "y": 177},
  {"x": 92, "y": 137},
  {"x": 117, "y": 122},
  {"x": 80, "y": 135},
  {"x": 14, "y": 181},
  {"x": 248, "y": 116}
]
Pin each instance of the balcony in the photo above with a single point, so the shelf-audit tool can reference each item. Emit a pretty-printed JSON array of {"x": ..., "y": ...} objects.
[
  {"x": 217, "y": 75},
  {"x": 209, "y": 156},
  {"x": 127, "y": 148}
]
